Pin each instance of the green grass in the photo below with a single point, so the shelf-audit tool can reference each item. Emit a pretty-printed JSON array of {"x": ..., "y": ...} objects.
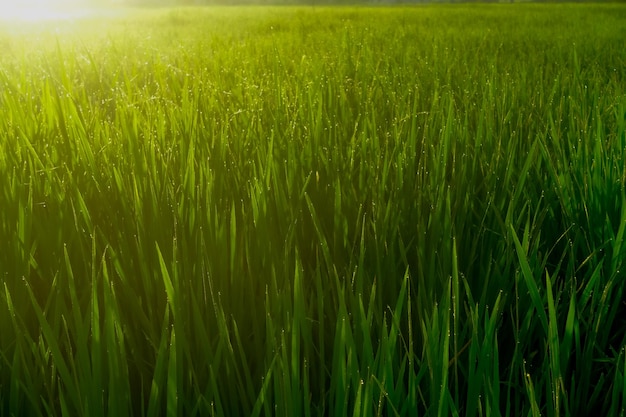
[{"x": 315, "y": 211}]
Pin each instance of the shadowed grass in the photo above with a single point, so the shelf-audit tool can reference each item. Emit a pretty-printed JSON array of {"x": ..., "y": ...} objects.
[{"x": 294, "y": 211}]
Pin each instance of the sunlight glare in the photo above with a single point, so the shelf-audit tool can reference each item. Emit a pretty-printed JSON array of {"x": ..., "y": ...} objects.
[{"x": 40, "y": 10}]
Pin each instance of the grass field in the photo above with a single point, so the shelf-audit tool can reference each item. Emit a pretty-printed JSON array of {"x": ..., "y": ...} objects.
[{"x": 413, "y": 211}]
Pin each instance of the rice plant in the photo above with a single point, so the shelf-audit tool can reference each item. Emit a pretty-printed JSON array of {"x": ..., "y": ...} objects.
[{"x": 315, "y": 211}]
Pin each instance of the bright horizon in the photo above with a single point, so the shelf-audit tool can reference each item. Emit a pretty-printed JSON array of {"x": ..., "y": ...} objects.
[{"x": 41, "y": 10}]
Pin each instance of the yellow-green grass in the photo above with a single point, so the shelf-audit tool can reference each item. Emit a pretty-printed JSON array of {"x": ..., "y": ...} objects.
[{"x": 315, "y": 211}]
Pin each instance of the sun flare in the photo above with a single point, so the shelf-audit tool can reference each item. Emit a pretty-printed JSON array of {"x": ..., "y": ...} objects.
[{"x": 39, "y": 10}]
